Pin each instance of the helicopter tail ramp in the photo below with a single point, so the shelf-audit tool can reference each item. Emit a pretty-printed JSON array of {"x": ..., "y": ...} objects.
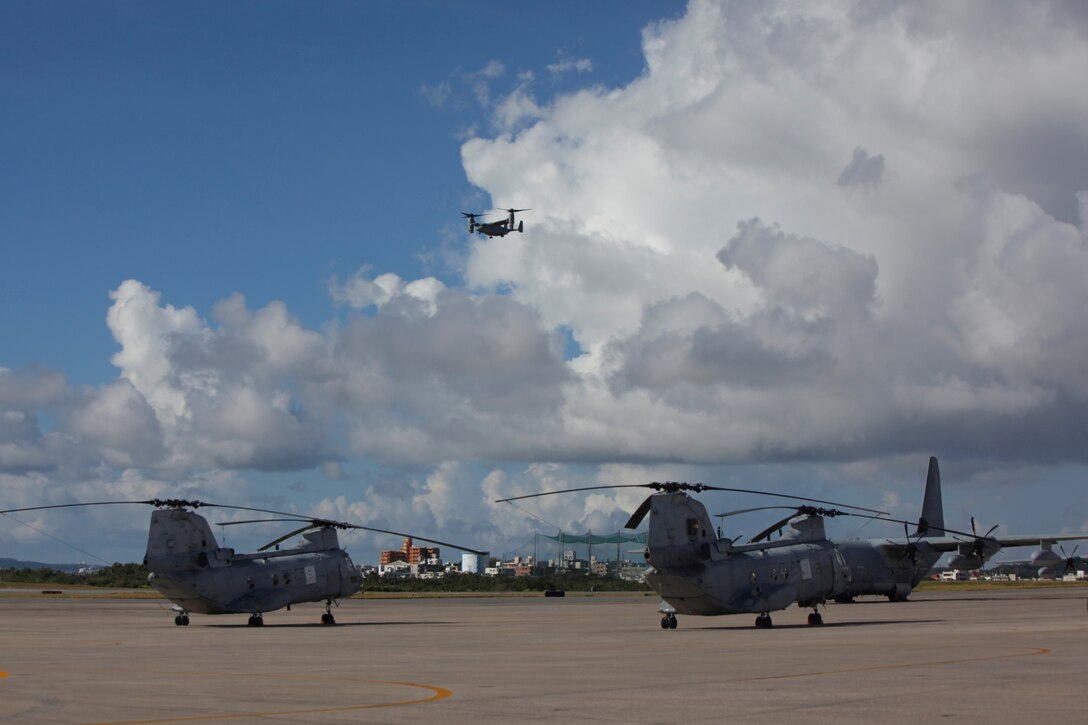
[
  {"x": 178, "y": 539},
  {"x": 931, "y": 522}
]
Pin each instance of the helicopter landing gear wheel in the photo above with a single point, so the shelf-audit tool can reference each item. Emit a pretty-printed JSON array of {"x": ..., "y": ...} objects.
[
  {"x": 256, "y": 620},
  {"x": 763, "y": 621},
  {"x": 327, "y": 617},
  {"x": 814, "y": 618},
  {"x": 665, "y": 622},
  {"x": 668, "y": 621},
  {"x": 182, "y": 620}
]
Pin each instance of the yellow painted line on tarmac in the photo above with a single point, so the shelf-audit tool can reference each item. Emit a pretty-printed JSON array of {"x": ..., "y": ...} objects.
[
  {"x": 438, "y": 693},
  {"x": 1034, "y": 652}
]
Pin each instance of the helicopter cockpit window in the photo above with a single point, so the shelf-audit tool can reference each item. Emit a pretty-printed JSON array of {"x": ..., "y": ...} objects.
[
  {"x": 250, "y": 583},
  {"x": 275, "y": 579},
  {"x": 693, "y": 527}
]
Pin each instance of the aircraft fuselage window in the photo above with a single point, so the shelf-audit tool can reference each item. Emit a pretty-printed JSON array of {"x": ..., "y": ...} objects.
[{"x": 693, "y": 527}]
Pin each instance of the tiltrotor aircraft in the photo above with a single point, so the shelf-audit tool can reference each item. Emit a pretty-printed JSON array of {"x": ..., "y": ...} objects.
[
  {"x": 189, "y": 568},
  {"x": 498, "y": 228},
  {"x": 700, "y": 573}
]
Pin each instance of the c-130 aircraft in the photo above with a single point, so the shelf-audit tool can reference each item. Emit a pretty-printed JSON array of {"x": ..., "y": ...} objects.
[{"x": 699, "y": 573}]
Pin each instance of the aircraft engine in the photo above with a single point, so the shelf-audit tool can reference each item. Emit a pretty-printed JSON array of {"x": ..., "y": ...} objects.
[
  {"x": 965, "y": 562},
  {"x": 1045, "y": 558}
]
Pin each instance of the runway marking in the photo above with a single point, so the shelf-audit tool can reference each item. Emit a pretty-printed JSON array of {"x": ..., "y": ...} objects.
[
  {"x": 933, "y": 663},
  {"x": 440, "y": 693}
]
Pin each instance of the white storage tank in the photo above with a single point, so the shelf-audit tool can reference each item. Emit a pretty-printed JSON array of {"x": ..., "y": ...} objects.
[{"x": 474, "y": 563}]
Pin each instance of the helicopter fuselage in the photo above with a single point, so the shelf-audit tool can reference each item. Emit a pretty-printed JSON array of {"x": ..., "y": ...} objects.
[
  {"x": 249, "y": 586},
  {"x": 189, "y": 568},
  {"x": 696, "y": 572}
]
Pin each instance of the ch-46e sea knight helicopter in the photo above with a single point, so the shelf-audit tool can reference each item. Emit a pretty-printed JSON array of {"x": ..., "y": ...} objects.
[
  {"x": 189, "y": 568},
  {"x": 700, "y": 573},
  {"x": 499, "y": 228}
]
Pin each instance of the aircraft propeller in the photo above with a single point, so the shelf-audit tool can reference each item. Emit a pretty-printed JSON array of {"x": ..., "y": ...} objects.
[
  {"x": 910, "y": 550},
  {"x": 979, "y": 545},
  {"x": 1071, "y": 559}
]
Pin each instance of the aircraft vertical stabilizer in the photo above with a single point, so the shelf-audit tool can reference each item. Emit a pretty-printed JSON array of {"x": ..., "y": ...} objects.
[
  {"x": 931, "y": 523},
  {"x": 178, "y": 539}
]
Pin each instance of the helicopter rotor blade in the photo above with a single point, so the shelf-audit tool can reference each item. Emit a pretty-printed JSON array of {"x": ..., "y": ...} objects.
[
  {"x": 412, "y": 536},
  {"x": 151, "y": 502},
  {"x": 312, "y": 522},
  {"x": 771, "y": 529},
  {"x": 305, "y": 528},
  {"x": 639, "y": 513},
  {"x": 801, "y": 510},
  {"x": 260, "y": 521},
  {"x": 674, "y": 486},
  {"x": 737, "y": 512},
  {"x": 572, "y": 490},
  {"x": 319, "y": 523}
]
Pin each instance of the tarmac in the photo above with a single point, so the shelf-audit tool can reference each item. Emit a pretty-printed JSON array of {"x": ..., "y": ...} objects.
[{"x": 1011, "y": 656}]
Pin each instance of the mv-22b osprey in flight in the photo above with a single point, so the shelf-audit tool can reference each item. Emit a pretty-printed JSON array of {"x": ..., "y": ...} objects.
[
  {"x": 699, "y": 573},
  {"x": 499, "y": 228}
]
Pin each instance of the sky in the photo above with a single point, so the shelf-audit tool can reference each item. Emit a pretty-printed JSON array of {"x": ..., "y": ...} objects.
[{"x": 797, "y": 247}]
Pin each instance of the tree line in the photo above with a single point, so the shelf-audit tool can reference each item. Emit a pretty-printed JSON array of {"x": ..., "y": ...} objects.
[{"x": 120, "y": 576}]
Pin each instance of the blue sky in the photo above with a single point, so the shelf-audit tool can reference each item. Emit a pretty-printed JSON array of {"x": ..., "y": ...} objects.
[
  {"x": 776, "y": 246},
  {"x": 209, "y": 148}
]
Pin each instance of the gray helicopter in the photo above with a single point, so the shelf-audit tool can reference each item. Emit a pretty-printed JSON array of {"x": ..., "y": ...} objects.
[
  {"x": 700, "y": 573},
  {"x": 189, "y": 568},
  {"x": 498, "y": 228}
]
